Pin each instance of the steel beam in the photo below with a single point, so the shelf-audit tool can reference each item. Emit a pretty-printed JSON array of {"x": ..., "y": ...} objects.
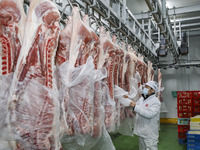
[
  {"x": 194, "y": 33},
  {"x": 172, "y": 11},
  {"x": 186, "y": 19},
  {"x": 188, "y": 25}
]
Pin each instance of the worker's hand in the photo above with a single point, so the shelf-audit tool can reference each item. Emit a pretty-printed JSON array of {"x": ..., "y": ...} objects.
[
  {"x": 125, "y": 96},
  {"x": 133, "y": 104}
]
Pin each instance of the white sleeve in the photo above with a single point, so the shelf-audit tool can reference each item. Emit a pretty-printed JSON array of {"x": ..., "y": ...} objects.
[
  {"x": 149, "y": 112},
  {"x": 139, "y": 101}
]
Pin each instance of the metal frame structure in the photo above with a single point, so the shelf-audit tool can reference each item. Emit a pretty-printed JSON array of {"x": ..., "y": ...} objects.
[
  {"x": 172, "y": 11},
  {"x": 160, "y": 15},
  {"x": 118, "y": 18}
]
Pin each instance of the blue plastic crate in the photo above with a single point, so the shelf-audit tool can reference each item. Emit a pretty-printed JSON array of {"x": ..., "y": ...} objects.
[
  {"x": 193, "y": 136},
  {"x": 193, "y": 141},
  {"x": 193, "y": 144},
  {"x": 182, "y": 141},
  {"x": 193, "y": 147}
]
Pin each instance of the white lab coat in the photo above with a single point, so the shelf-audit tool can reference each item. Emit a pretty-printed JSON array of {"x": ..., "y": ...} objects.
[{"x": 147, "y": 120}]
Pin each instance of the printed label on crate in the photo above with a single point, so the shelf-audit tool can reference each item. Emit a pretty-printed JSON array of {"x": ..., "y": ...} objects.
[
  {"x": 194, "y": 125},
  {"x": 183, "y": 121}
]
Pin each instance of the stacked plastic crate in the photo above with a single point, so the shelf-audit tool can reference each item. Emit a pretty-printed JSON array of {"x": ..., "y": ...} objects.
[
  {"x": 196, "y": 103},
  {"x": 193, "y": 140},
  {"x": 193, "y": 136},
  {"x": 185, "y": 111}
]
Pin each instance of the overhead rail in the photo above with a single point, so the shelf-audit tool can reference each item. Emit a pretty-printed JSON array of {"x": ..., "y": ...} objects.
[
  {"x": 171, "y": 11},
  {"x": 160, "y": 15}
]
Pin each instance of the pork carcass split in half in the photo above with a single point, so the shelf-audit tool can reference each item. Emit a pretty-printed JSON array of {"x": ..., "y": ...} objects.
[
  {"x": 38, "y": 129},
  {"x": 12, "y": 23},
  {"x": 78, "y": 99}
]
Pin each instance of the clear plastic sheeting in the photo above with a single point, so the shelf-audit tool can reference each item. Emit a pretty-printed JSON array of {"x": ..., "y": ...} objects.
[
  {"x": 105, "y": 142},
  {"x": 161, "y": 89},
  {"x": 36, "y": 124},
  {"x": 33, "y": 121},
  {"x": 5, "y": 138},
  {"x": 126, "y": 125},
  {"x": 110, "y": 109},
  {"x": 125, "y": 101},
  {"x": 163, "y": 108},
  {"x": 84, "y": 103},
  {"x": 138, "y": 77},
  {"x": 119, "y": 93},
  {"x": 139, "y": 87}
]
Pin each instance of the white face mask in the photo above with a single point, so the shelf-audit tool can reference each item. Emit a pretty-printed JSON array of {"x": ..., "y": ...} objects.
[{"x": 145, "y": 91}]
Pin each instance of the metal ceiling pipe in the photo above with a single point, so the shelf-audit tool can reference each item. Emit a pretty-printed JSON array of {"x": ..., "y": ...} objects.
[
  {"x": 187, "y": 19},
  {"x": 188, "y": 25},
  {"x": 179, "y": 65}
]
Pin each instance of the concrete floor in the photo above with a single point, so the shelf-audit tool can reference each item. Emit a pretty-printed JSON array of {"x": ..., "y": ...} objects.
[{"x": 168, "y": 140}]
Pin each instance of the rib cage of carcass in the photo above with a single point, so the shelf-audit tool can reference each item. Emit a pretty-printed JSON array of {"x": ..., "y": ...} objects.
[{"x": 64, "y": 85}]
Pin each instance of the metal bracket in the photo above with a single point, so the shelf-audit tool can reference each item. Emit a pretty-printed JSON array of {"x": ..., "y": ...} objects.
[
  {"x": 108, "y": 15},
  {"x": 120, "y": 25},
  {"x": 94, "y": 4},
  {"x": 161, "y": 20},
  {"x": 165, "y": 29},
  {"x": 156, "y": 10}
]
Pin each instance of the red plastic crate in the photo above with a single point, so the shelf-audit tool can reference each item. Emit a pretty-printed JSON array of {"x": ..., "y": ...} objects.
[
  {"x": 183, "y": 101},
  {"x": 185, "y": 108},
  {"x": 196, "y": 94},
  {"x": 182, "y": 135},
  {"x": 183, "y": 128},
  {"x": 184, "y": 94},
  {"x": 196, "y": 108},
  {"x": 196, "y": 101},
  {"x": 196, "y": 113},
  {"x": 185, "y": 114}
]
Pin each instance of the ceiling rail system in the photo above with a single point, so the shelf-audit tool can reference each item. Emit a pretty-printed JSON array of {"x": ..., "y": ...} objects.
[{"x": 160, "y": 15}]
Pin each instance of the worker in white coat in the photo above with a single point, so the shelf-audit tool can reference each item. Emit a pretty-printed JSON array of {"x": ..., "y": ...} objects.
[{"x": 147, "y": 110}]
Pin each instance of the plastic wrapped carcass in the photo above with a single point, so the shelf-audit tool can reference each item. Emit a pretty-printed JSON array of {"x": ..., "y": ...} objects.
[{"x": 84, "y": 105}]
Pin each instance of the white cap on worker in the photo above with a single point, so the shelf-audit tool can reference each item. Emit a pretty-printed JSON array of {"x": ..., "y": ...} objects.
[{"x": 153, "y": 85}]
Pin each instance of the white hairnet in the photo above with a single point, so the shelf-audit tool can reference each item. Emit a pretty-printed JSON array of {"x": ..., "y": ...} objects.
[{"x": 153, "y": 85}]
